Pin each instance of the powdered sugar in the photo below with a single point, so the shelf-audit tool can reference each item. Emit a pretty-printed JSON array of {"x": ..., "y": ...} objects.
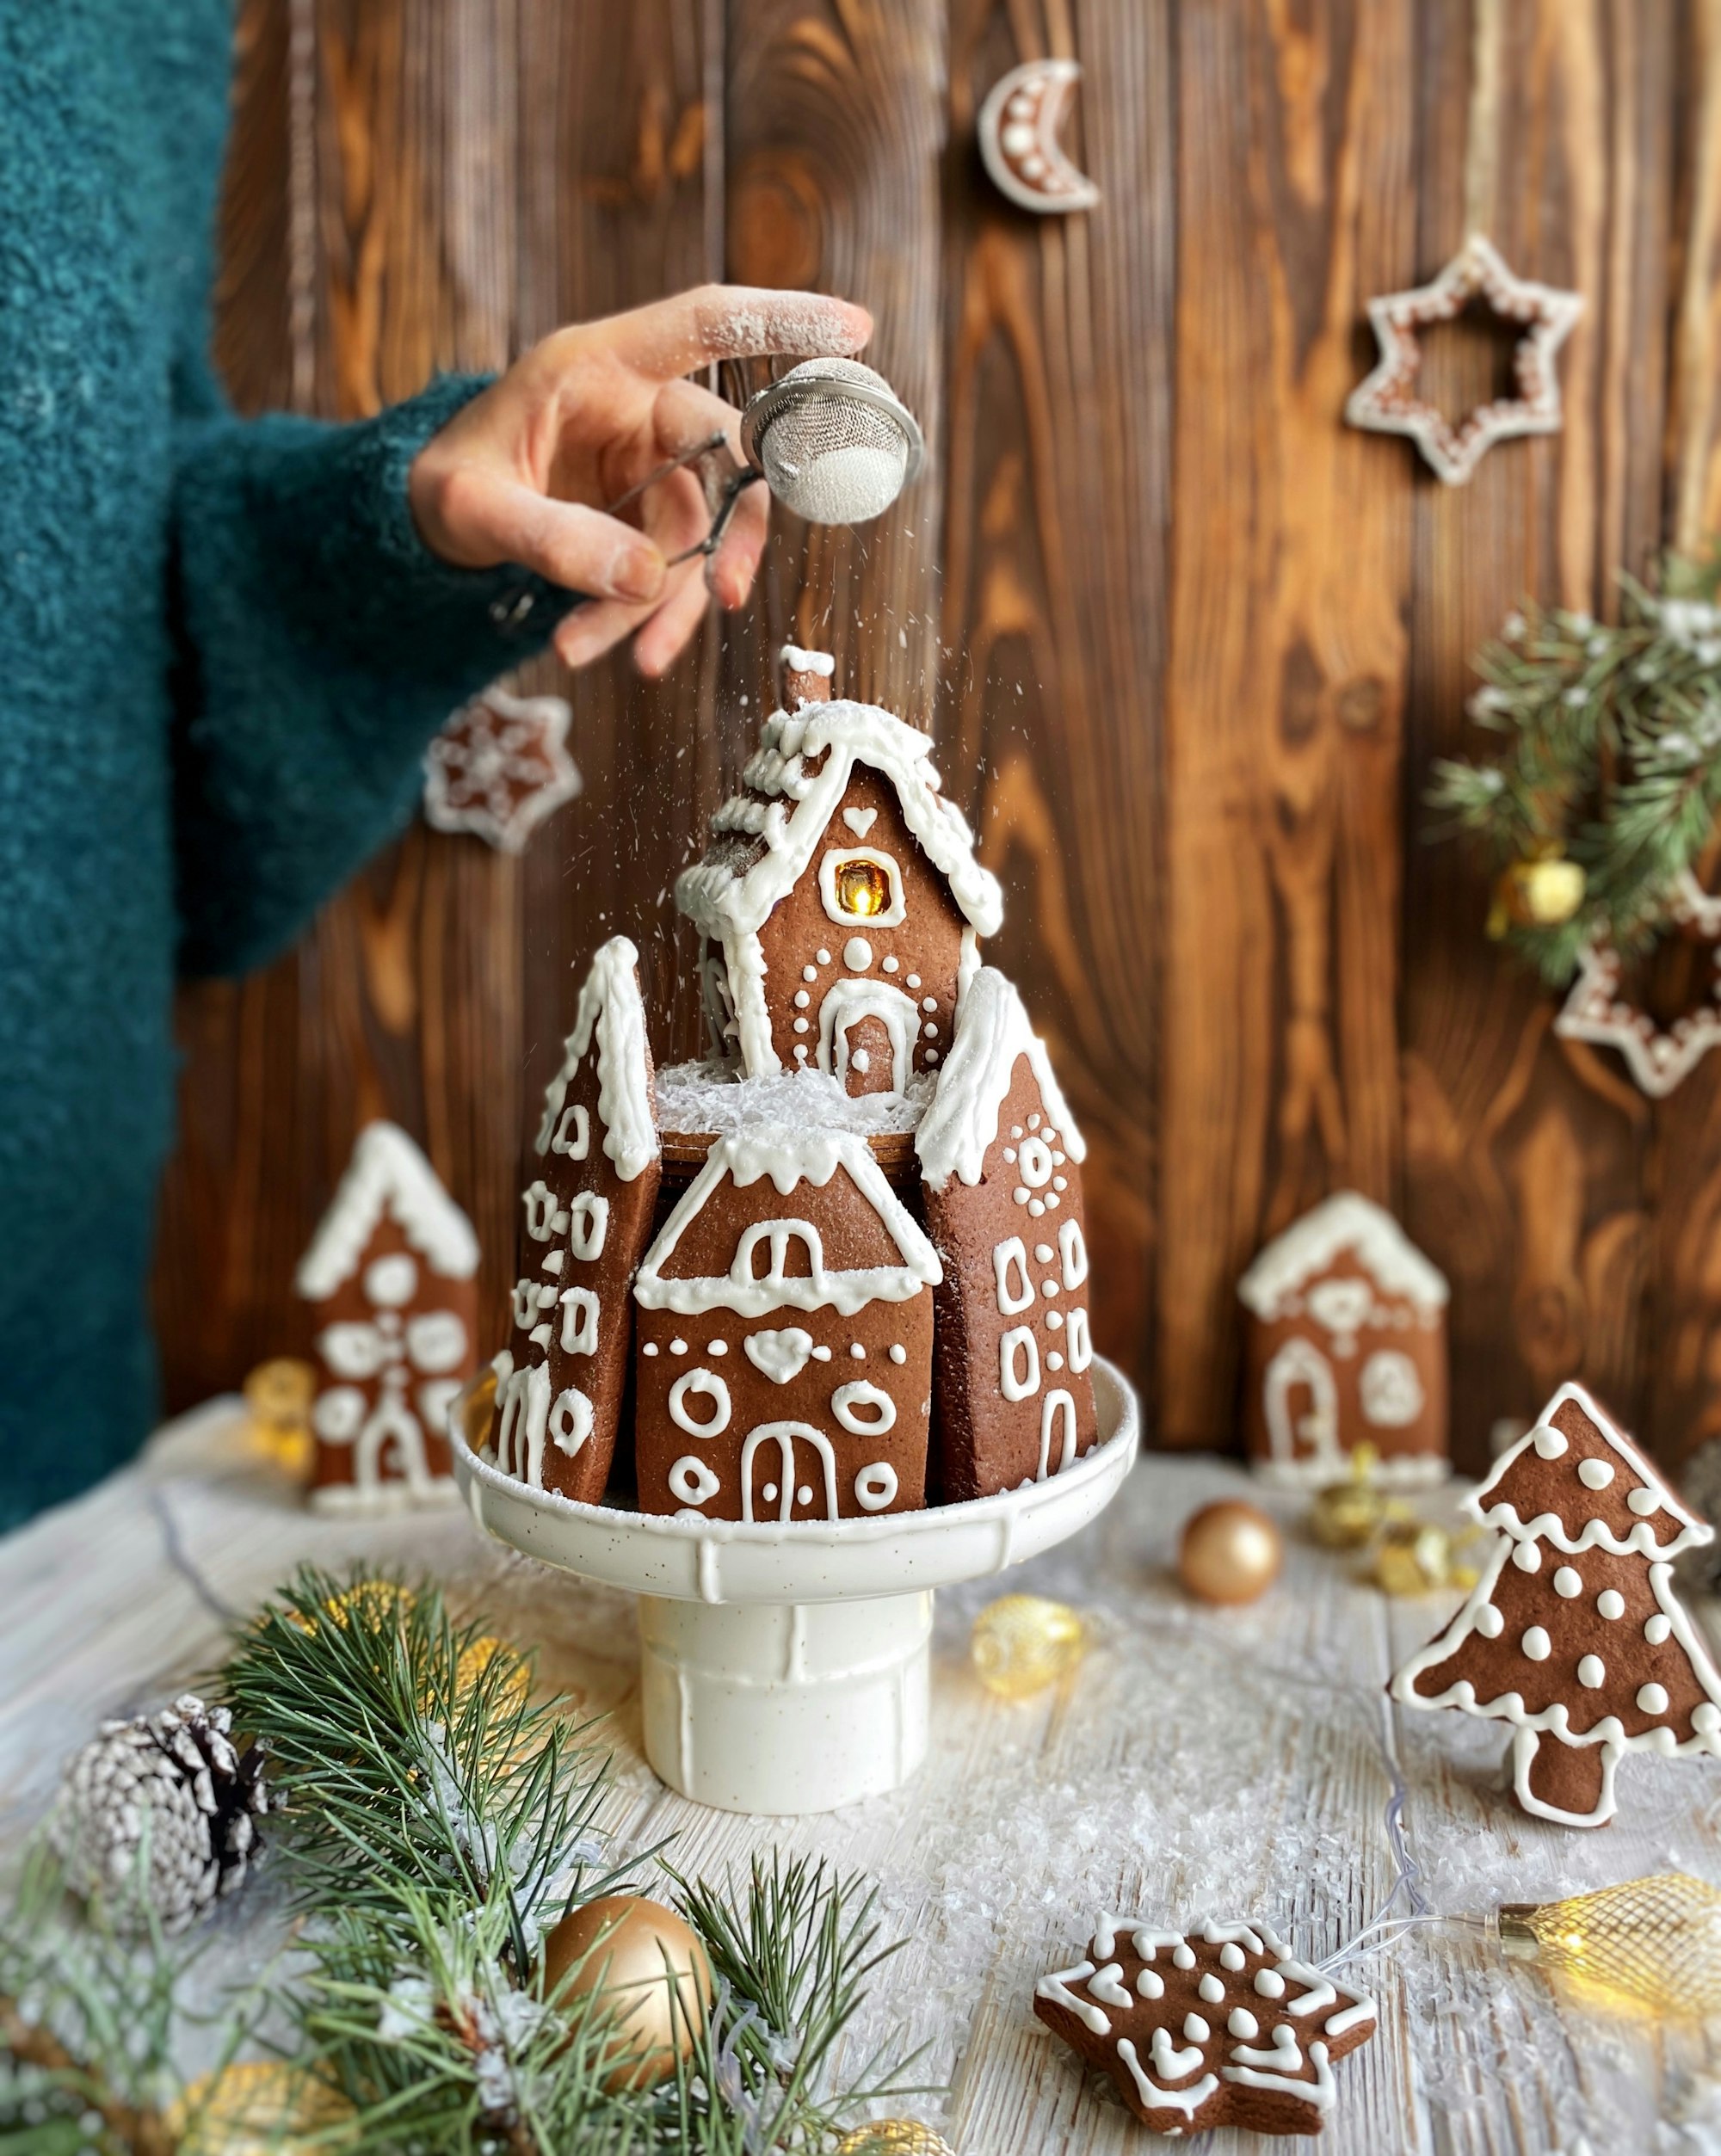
[{"x": 709, "y": 1096}]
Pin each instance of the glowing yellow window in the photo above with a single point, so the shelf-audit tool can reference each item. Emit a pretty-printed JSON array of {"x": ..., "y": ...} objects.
[{"x": 863, "y": 889}]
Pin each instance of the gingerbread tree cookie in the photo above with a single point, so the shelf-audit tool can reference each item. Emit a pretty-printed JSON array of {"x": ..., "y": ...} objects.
[
  {"x": 1574, "y": 1633},
  {"x": 588, "y": 1219},
  {"x": 391, "y": 1275},
  {"x": 999, "y": 1153},
  {"x": 1221, "y": 2026}
]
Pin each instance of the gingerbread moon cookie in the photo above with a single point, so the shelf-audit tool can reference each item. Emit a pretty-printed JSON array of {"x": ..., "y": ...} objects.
[
  {"x": 391, "y": 1275},
  {"x": 1221, "y": 2026},
  {"x": 1574, "y": 1634},
  {"x": 785, "y": 1359},
  {"x": 1000, "y": 1155},
  {"x": 587, "y": 1220}
]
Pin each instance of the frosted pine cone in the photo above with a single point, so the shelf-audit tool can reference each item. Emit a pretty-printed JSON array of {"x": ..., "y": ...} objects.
[{"x": 181, "y": 1771}]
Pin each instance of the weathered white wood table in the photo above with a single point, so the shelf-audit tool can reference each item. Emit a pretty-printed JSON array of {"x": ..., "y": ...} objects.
[{"x": 1199, "y": 1763}]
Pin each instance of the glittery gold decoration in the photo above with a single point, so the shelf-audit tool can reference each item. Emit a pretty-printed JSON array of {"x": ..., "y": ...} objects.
[
  {"x": 894, "y": 2137},
  {"x": 374, "y": 1599},
  {"x": 1022, "y": 1644},
  {"x": 260, "y": 2107},
  {"x": 1231, "y": 1551},
  {"x": 1345, "y": 1515},
  {"x": 863, "y": 889},
  {"x": 1539, "y": 892},
  {"x": 278, "y": 1397},
  {"x": 626, "y": 1950},
  {"x": 1657, "y": 1940},
  {"x": 1415, "y": 1556},
  {"x": 477, "y": 1656}
]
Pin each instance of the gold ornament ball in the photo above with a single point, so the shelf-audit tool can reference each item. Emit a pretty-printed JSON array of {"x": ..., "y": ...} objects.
[
  {"x": 259, "y": 2107},
  {"x": 622, "y": 1949},
  {"x": 1231, "y": 1551},
  {"x": 1022, "y": 1642},
  {"x": 278, "y": 1396},
  {"x": 1541, "y": 892},
  {"x": 894, "y": 2137}
]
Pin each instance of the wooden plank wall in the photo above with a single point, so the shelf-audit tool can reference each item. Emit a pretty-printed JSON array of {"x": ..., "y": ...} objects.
[{"x": 1188, "y": 643}]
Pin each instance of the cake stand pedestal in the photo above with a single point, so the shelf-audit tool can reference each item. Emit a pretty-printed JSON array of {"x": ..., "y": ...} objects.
[{"x": 788, "y": 1672}]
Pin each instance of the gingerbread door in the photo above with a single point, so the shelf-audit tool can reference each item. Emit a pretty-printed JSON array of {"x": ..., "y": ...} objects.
[
  {"x": 784, "y": 1465},
  {"x": 1301, "y": 1406}
]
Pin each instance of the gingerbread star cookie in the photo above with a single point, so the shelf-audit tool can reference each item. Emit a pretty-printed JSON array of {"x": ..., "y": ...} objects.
[{"x": 1221, "y": 2026}]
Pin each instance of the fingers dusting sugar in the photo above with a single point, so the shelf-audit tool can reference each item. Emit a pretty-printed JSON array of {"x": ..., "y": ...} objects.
[{"x": 804, "y": 326}]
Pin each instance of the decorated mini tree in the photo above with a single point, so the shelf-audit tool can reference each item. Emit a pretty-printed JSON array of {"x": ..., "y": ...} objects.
[{"x": 1574, "y": 1633}]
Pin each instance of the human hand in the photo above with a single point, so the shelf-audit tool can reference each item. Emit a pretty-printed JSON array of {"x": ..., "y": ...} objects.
[{"x": 520, "y": 474}]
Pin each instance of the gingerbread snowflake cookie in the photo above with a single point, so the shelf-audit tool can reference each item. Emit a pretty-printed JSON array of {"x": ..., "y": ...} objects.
[
  {"x": 1574, "y": 1635},
  {"x": 499, "y": 766},
  {"x": 1221, "y": 2026}
]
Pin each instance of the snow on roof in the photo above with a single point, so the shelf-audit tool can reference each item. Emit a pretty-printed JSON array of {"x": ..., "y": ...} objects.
[
  {"x": 992, "y": 1031},
  {"x": 1347, "y": 1222},
  {"x": 1690, "y": 1533},
  {"x": 765, "y": 837},
  {"x": 610, "y": 1000},
  {"x": 387, "y": 1174},
  {"x": 789, "y": 1158}
]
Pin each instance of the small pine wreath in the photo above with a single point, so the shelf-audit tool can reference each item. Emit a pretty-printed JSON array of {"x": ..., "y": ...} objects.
[{"x": 1608, "y": 784}]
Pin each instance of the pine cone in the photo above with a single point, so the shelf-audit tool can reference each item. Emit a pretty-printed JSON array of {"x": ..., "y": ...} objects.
[{"x": 178, "y": 1769}]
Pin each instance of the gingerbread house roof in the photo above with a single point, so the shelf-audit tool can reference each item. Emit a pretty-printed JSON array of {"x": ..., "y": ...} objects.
[
  {"x": 387, "y": 1175},
  {"x": 992, "y": 1031},
  {"x": 790, "y": 1159},
  {"x": 611, "y": 1005},
  {"x": 1309, "y": 1248},
  {"x": 765, "y": 836}
]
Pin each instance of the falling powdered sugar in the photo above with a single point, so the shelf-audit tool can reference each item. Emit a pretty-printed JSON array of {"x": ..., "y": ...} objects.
[{"x": 694, "y": 1098}]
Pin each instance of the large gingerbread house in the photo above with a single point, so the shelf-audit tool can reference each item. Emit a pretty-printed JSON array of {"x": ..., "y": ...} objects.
[
  {"x": 1345, "y": 1344},
  {"x": 786, "y": 1318},
  {"x": 392, "y": 1277}
]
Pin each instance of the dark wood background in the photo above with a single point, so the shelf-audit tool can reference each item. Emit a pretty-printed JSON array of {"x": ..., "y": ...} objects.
[{"x": 1188, "y": 643}]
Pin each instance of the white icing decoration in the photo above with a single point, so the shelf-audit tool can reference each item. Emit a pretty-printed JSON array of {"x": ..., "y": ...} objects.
[
  {"x": 436, "y": 1340},
  {"x": 1313, "y": 1436},
  {"x": 1536, "y": 1644},
  {"x": 579, "y": 1320},
  {"x": 992, "y": 1034},
  {"x": 875, "y": 1487},
  {"x": 1652, "y": 1698},
  {"x": 1189, "y": 2101},
  {"x": 899, "y": 1352},
  {"x": 611, "y": 1004},
  {"x": 1592, "y": 1671},
  {"x": 1490, "y": 1623},
  {"x": 1241, "y": 2023},
  {"x": 1055, "y": 1989},
  {"x": 797, "y": 660},
  {"x": 392, "y": 1282},
  {"x": 1212, "y": 1989},
  {"x": 786, "y": 1435},
  {"x": 1107, "y": 1984},
  {"x": 692, "y": 1481},
  {"x": 577, "y": 1146},
  {"x": 1033, "y": 1164},
  {"x": 1058, "y": 1407},
  {"x": 388, "y": 1177},
  {"x": 859, "y": 821},
  {"x": 848, "y": 1401},
  {"x": 1011, "y": 1298},
  {"x": 543, "y": 1212},
  {"x": 1527, "y": 1557},
  {"x": 781, "y": 1356},
  {"x": 699, "y": 1380},
  {"x": 352, "y": 1349},
  {"x": 522, "y": 1403},
  {"x": 1075, "y": 1338},
  {"x": 1390, "y": 1390},
  {"x": 1231, "y": 1956},
  {"x": 1689, "y": 1531},
  {"x": 1149, "y": 1983},
  {"x": 1197, "y": 2031},
  {"x": 1183, "y": 1955},
  {"x": 849, "y": 1001},
  {"x": 571, "y": 1419},
  {"x": 1269, "y": 1983},
  {"x": 588, "y": 1225},
  {"x": 1342, "y": 1307},
  {"x": 339, "y": 1415},
  {"x": 1017, "y": 1343},
  {"x": 1595, "y": 1475},
  {"x": 1567, "y": 1582},
  {"x": 1550, "y": 1443},
  {"x": 1073, "y": 1249},
  {"x": 1308, "y": 1249},
  {"x": 1281, "y": 2069},
  {"x": 857, "y": 955},
  {"x": 788, "y": 1158},
  {"x": 1610, "y": 1603},
  {"x": 1643, "y": 1501},
  {"x": 1658, "y": 1628}
]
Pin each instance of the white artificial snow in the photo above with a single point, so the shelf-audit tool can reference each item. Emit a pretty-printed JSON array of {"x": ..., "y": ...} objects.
[
  {"x": 387, "y": 1174},
  {"x": 694, "y": 1098}
]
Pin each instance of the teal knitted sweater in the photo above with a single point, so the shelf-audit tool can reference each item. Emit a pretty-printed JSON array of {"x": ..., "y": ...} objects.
[{"x": 222, "y": 650}]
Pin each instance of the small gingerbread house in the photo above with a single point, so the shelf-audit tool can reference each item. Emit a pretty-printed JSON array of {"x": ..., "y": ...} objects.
[
  {"x": 587, "y": 1216},
  {"x": 1345, "y": 1345},
  {"x": 840, "y": 902},
  {"x": 999, "y": 1153},
  {"x": 785, "y": 1337},
  {"x": 391, "y": 1275}
]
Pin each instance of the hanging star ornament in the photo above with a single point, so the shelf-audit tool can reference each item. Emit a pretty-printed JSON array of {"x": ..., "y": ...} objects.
[
  {"x": 1386, "y": 401},
  {"x": 499, "y": 766},
  {"x": 1597, "y": 1010}
]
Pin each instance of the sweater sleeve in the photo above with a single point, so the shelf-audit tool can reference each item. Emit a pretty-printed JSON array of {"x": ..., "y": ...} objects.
[{"x": 319, "y": 645}]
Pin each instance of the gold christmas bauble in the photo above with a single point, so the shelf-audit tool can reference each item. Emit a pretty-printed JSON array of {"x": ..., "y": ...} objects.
[
  {"x": 893, "y": 2137},
  {"x": 259, "y": 2107},
  {"x": 1541, "y": 892},
  {"x": 1022, "y": 1644},
  {"x": 1231, "y": 1551},
  {"x": 649, "y": 1969},
  {"x": 278, "y": 1397}
]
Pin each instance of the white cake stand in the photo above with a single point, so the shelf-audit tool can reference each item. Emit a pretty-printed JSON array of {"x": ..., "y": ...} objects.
[{"x": 788, "y": 1670}]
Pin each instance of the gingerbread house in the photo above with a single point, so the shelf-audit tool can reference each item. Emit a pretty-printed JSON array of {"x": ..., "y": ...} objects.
[
  {"x": 587, "y": 1220},
  {"x": 1345, "y": 1344},
  {"x": 391, "y": 1276},
  {"x": 840, "y": 903},
  {"x": 999, "y": 1153},
  {"x": 785, "y": 1356}
]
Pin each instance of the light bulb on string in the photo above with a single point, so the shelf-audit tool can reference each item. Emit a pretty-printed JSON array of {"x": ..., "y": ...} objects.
[{"x": 1656, "y": 1939}]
